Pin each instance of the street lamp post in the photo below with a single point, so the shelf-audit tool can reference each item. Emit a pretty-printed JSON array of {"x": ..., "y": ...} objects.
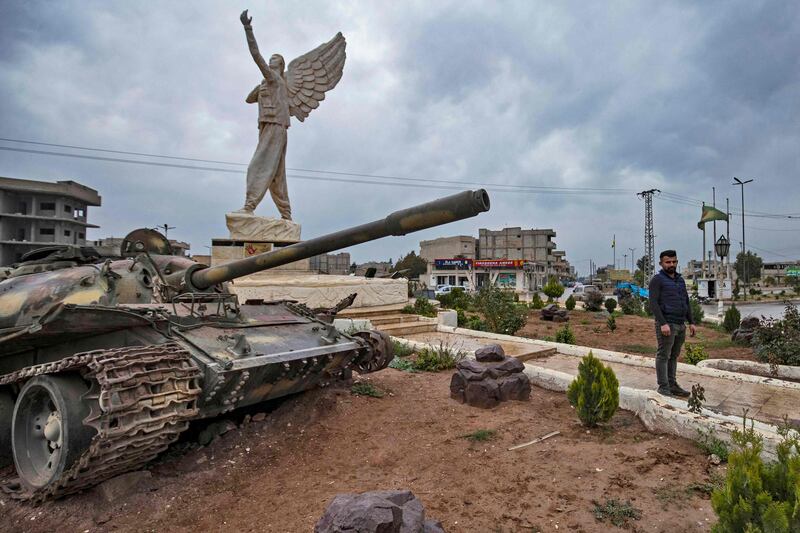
[
  {"x": 722, "y": 246},
  {"x": 744, "y": 244}
]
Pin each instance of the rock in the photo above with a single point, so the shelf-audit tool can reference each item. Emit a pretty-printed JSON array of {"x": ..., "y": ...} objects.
[
  {"x": 214, "y": 430},
  {"x": 554, "y": 313},
  {"x": 484, "y": 394},
  {"x": 397, "y": 511},
  {"x": 515, "y": 387},
  {"x": 258, "y": 417},
  {"x": 510, "y": 365},
  {"x": 747, "y": 328},
  {"x": 559, "y": 318},
  {"x": 124, "y": 485},
  {"x": 457, "y": 385},
  {"x": 714, "y": 459},
  {"x": 471, "y": 369},
  {"x": 492, "y": 352}
]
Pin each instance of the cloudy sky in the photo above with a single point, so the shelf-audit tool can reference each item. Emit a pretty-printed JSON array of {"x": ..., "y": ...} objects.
[{"x": 595, "y": 100}]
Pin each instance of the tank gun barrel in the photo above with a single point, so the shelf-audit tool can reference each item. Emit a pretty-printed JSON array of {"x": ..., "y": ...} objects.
[{"x": 459, "y": 206}]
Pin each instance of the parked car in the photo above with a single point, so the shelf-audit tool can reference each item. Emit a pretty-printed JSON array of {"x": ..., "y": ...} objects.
[
  {"x": 443, "y": 289},
  {"x": 581, "y": 291}
]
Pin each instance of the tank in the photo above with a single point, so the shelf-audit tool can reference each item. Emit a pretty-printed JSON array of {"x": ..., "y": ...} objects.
[{"x": 104, "y": 360}]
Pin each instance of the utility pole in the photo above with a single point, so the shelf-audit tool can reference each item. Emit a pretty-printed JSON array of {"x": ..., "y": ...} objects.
[
  {"x": 744, "y": 243},
  {"x": 649, "y": 237},
  {"x": 166, "y": 228},
  {"x": 633, "y": 258}
]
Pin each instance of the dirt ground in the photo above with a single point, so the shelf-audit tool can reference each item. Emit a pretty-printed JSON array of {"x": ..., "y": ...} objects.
[
  {"x": 634, "y": 334},
  {"x": 278, "y": 474}
]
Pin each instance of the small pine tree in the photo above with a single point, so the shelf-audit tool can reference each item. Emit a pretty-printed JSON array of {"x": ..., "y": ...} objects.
[
  {"x": 611, "y": 323},
  {"x": 594, "y": 392},
  {"x": 553, "y": 289},
  {"x": 732, "y": 319},
  {"x": 610, "y": 304},
  {"x": 565, "y": 335},
  {"x": 536, "y": 301},
  {"x": 570, "y": 303},
  {"x": 697, "y": 311}
]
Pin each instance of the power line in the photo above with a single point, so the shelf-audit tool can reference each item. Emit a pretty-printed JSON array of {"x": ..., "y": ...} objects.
[{"x": 331, "y": 172}]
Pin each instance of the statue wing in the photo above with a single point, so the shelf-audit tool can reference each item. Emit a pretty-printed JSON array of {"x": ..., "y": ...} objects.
[{"x": 311, "y": 75}]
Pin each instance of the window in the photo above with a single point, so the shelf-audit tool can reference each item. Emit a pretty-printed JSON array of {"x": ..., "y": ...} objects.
[
  {"x": 79, "y": 212},
  {"x": 67, "y": 208},
  {"x": 67, "y": 233},
  {"x": 47, "y": 231},
  {"x": 47, "y": 206},
  {"x": 81, "y": 235}
]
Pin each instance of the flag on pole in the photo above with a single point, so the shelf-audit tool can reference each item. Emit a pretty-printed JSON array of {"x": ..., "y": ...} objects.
[
  {"x": 614, "y": 242},
  {"x": 710, "y": 213}
]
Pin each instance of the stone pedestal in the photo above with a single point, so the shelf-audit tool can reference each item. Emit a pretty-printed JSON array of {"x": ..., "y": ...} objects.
[{"x": 253, "y": 235}]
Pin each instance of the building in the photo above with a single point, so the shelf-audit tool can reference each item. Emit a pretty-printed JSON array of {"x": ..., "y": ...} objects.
[
  {"x": 111, "y": 245},
  {"x": 462, "y": 246},
  {"x": 331, "y": 263},
  {"x": 693, "y": 270},
  {"x": 510, "y": 257},
  {"x": 34, "y": 214},
  {"x": 783, "y": 272},
  {"x": 382, "y": 268}
]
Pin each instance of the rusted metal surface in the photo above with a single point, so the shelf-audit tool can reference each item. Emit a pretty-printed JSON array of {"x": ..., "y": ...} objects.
[{"x": 450, "y": 209}]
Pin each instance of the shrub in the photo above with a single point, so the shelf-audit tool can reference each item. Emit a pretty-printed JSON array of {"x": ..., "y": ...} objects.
[
  {"x": 732, "y": 319},
  {"x": 630, "y": 305},
  {"x": 711, "y": 444},
  {"x": 480, "y": 435},
  {"x": 553, "y": 289},
  {"x": 610, "y": 304},
  {"x": 697, "y": 311},
  {"x": 777, "y": 341},
  {"x": 758, "y": 497},
  {"x": 694, "y": 354},
  {"x": 618, "y": 512},
  {"x": 570, "y": 303},
  {"x": 475, "y": 322},
  {"x": 401, "y": 349},
  {"x": 594, "y": 301},
  {"x": 406, "y": 365},
  {"x": 461, "y": 318},
  {"x": 611, "y": 323},
  {"x": 422, "y": 306},
  {"x": 500, "y": 313},
  {"x": 536, "y": 301},
  {"x": 458, "y": 298},
  {"x": 432, "y": 359},
  {"x": 565, "y": 335},
  {"x": 594, "y": 392},
  {"x": 362, "y": 388}
]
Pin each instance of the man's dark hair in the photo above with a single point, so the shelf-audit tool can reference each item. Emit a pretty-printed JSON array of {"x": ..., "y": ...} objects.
[{"x": 667, "y": 253}]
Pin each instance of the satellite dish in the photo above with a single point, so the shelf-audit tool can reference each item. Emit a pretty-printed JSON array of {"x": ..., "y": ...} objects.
[{"x": 144, "y": 240}]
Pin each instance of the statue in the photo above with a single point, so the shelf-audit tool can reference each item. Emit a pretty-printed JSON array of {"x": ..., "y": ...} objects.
[{"x": 280, "y": 94}]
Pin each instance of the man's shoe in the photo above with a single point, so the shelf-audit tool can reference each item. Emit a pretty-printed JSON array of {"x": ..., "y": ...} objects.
[
  {"x": 665, "y": 391},
  {"x": 676, "y": 390}
]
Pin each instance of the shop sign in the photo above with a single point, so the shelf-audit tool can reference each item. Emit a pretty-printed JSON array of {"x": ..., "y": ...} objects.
[
  {"x": 499, "y": 263},
  {"x": 463, "y": 264},
  {"x": 793, "y": 271}
]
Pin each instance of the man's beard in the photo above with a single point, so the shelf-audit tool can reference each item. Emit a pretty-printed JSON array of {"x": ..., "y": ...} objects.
[{"x": 669, "y": 270}]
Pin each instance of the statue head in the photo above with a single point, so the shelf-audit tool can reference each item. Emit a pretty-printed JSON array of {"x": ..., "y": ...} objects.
[{"x": 276, "y": 62}]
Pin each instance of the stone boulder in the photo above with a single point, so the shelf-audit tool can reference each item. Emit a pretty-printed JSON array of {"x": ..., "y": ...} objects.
[
  {"x": 391, "y": 511},
  {"x": 486, "y": 383},
  {"x": 747, "y": 328},
  {"x": 554, "y": 313},
  {"x": 492, "y": 352}
]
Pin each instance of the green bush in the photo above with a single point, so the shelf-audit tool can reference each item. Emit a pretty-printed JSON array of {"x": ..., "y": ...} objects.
[
  {"x": 610, "y": 304},
  {"x": 594, "y": 301},
  {"x": 475, "y": 322},
  {"x": 536, "y": 301},
  {"x": 553, "y": 289},
  {"x": 500, "y": 312},
  {"x": 401, "y": 349},
  {"x": 694, "y": 353},
  {"x": 697, "y": 311},
  {"x": 777, "y": 341},
  {"x": 565, "y": 335},
  {"x": 594, "y": 392},
  {"x": 732, "y": 319},
  {"x": 570, "y": 303},
  {"x": 432, "y": 359},
  {"x": 711, "y": 444},
  {"x": 611, "y": 323},
  {"x": 458, "y": 298},
  {"x": 362, "y": 388},
  {"x": 422, "y": 306},
  {"x": 630, "y": 305},
  {"x": 759, "y": 497}
]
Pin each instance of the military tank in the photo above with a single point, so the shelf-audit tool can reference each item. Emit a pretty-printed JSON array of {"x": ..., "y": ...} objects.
[{"x": 104, "y": 361}]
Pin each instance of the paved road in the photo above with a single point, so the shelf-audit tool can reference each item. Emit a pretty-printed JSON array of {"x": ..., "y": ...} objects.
[{"x": 767, "y": 309}]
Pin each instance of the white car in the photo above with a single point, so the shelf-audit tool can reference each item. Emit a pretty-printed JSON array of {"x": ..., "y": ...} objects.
[
  {"x": 443, "y": 289},
  {"x": 579, "y": 293}
]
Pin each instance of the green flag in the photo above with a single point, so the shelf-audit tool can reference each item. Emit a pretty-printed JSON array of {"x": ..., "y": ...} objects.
[{"x": 709, "y": 214}]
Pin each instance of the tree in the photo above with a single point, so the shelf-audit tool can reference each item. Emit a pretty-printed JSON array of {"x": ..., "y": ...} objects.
[
  {"x": 553, "y": 289},
  {"x": 501, "y": 314},
  {"x": 594, "y": 393},
  {"x": 414, "y": 263},
  {"x": 754, "y": 264}
]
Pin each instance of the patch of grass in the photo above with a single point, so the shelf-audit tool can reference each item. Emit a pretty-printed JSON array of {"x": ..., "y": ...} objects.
[
  {"x": 672, "y": 495},
  {"x": 432, "y": 359},
  {"x": 362, "y": 388},
  {"x": 406, "y": 365},
  {"x": 480, "y": 435},
  {"x": 585, "y": 322},
  {"x": 402, "y": 349},
  {"x": 638, "y": 348},
  {"x": 618, "y": 512},
  {"x": 709, "y": 443},
  {"x": 715, "y": 482},
  {"x": 720, "y": 344}
]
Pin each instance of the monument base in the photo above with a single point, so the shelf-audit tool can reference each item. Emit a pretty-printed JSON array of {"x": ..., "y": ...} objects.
[
  {"x": 249, "y": 227},
  {"x": 321, "y": 290},
  {"x": 227, "y": 250}
]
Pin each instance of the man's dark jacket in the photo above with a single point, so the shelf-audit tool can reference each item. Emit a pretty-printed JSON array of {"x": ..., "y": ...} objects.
[{"x": 669, "y": 300}]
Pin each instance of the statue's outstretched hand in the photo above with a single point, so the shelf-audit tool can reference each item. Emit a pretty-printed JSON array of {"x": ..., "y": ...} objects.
[{"x": 245, "y": 19}]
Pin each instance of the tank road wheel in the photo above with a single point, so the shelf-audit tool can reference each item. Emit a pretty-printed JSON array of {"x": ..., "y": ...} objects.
[
  {"x": 378, "y": 355},
  {"x": 47, "y": 431},
  {"x": 6, "y": 414}
]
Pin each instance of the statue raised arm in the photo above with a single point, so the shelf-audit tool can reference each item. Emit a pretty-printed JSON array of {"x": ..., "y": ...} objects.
[{"x": 280, "y": 95}]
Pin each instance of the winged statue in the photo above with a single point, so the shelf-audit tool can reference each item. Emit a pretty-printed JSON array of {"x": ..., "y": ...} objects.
[{"x": 282, "y": 93}]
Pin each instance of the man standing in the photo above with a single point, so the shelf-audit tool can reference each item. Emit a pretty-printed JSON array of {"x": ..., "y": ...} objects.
[{"x": 669, "y": 302}]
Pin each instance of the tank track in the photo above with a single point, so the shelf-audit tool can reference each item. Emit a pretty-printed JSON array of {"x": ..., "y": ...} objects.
[{"x": 141, "y": 399}]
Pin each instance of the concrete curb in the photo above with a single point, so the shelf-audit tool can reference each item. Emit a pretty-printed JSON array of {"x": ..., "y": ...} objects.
[{"x": 762, "y": 369}]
